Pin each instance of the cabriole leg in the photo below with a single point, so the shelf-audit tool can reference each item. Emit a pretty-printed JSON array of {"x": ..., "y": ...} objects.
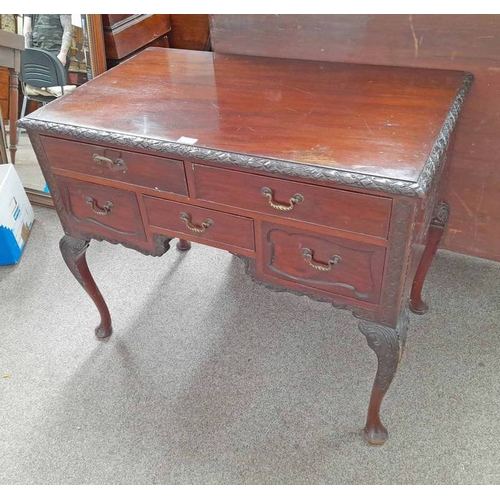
[
  {"x": 388, "y": 344},
  {"x": 434, "y": 235},
  {"x": 73, "y": 251}
]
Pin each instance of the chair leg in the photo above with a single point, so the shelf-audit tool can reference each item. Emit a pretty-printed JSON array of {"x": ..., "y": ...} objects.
[{"x": 23, "y": 112}]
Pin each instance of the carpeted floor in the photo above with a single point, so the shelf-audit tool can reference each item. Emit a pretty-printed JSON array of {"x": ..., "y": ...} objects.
[{"x": 210, "y": 378}]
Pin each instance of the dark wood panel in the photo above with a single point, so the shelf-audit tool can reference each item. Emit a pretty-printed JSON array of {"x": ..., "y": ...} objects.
[
  {"x": 189, "y": 31},
  {"x": 111, "y": 212},
  {"x": 464, "y": 42},
  {"x": 332, "y": 264},
  {"x": 207, "y": 225},
  {"x": 321, "y": 206},
  {"x": 161, "y": 174},
  {"x": 113, "y": 19},
  {"x": 127, "y": 33}
]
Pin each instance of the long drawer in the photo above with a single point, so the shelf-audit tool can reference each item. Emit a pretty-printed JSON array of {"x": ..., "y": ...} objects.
[
  {"x": 161, "y": 174},
  {"x": 330, "y": 207},
  {"x": 205, "y": 225},
  {"x": 336, "y": 265}
]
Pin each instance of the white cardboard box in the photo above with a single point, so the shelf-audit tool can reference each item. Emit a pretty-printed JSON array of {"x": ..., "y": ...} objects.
[{"x": 16, "y": 216}]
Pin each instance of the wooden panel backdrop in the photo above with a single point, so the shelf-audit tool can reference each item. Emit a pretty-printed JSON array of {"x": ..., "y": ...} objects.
[
  {"x": 464, "y": 42},
  {"x": 189, "y": 31}
]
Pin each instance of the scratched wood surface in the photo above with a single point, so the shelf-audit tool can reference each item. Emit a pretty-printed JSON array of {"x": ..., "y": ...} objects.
[
  {"x": 365, "y": 119},
  {"x": 462, "y": 42}
]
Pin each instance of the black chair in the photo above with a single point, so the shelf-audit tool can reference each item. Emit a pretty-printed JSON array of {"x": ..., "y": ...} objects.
[{"x": 40, "y": 69}]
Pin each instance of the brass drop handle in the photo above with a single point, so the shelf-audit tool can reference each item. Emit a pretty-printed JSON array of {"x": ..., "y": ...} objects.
[
  {"x": 196, "y": 229},
  {"x": 105, "y": 210},
  {"x": 116, "y": 164},
  {"x": 308, "y": 255},
  {"x": 268, "y": 193}
]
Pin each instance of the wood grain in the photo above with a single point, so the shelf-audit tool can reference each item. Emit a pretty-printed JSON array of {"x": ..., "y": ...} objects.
[
  {"x": 229, "y": 229},
  {"x": 189, "y": 31},
  {"x": 161, "y": 174},
  {"x": 357, "y": 275},
  {"x": 126, "y": 33},
  {"x": 459, "y": 42},
  {"x": 124, "y": 220},
  {"x": 365, "y": 119},
  {"x": 4, "y": 93},
  {"x": 336, "y": 208}
]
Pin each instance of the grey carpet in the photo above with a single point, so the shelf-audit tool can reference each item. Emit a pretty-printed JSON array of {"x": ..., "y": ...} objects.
[{"x": 210, "y": 378}]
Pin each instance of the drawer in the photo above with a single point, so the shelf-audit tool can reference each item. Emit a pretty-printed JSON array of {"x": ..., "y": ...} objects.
[
  {"x": 336, "y": 265},
  {"x": 328, "y": 207},
  {"x": 207, "y": 225},
  {"x": 101, "y": 210},
  {"x": 162, "y": 174}
]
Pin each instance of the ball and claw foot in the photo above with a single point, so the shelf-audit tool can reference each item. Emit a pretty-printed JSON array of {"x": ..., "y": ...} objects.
[{"x": 183, "y": 245}]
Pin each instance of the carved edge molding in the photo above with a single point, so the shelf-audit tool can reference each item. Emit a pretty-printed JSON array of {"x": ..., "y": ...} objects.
[
  {"x": 71, "y": 249},
  {"x": 158, "y": 245},
  {"x": 441, "y": 215},
  {"x": 358, "y": 312},
  {"x": 279, "y": 167},
  {"x": 443, "y": 140}
]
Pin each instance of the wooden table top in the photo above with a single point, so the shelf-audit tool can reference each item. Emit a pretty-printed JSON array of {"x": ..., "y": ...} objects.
[{"x": 375, "y": 120}]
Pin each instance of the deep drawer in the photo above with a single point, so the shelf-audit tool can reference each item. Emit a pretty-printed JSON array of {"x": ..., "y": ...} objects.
[
  {"x": 355, "y": 212},
  {"x": 208, "y": 225},
  {"x": 102, "y": 210},
  {"x": 336, "y": 265},
  {"x": 162, "y": 174}
]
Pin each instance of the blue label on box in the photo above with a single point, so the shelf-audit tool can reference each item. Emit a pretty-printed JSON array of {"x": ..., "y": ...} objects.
[{"x": 10, "y": 253}]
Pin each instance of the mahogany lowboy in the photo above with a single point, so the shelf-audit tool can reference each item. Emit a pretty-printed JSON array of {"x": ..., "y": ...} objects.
[{"x": 324, "y": 177}]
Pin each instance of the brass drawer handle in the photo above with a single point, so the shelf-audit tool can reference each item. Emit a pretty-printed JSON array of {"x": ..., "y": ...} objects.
[
  {"x": 204, "y": 225},
  {"x": 307, "y": 253},
  {"x": 116, "y": 164},
  {"x": 105, "y": 210},
  {"x": 268, "y": 193}
]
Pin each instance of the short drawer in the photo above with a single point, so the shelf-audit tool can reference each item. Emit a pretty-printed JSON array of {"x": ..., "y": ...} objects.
[
  {"x": 161, "y": 174},
  {"x": 103, "y": 210},
  {"x": 328, "y": 263},
  {"x": 208, "y": 225},
  {"x": 330, "y": 207}
]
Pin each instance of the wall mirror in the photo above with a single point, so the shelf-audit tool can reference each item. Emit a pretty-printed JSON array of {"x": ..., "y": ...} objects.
[{"x": 87, "y": 60}]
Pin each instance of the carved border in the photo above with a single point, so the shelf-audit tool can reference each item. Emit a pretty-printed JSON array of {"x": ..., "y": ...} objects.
[
  {"x": 388, "y": 344},
  {"x": 311, "y": 282},
  {"x": 279, "y": 167},
  {"x": 357, "y": 311},
  {"x": 159, "y": 245},
  {"x": 65, "y": 193}
]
